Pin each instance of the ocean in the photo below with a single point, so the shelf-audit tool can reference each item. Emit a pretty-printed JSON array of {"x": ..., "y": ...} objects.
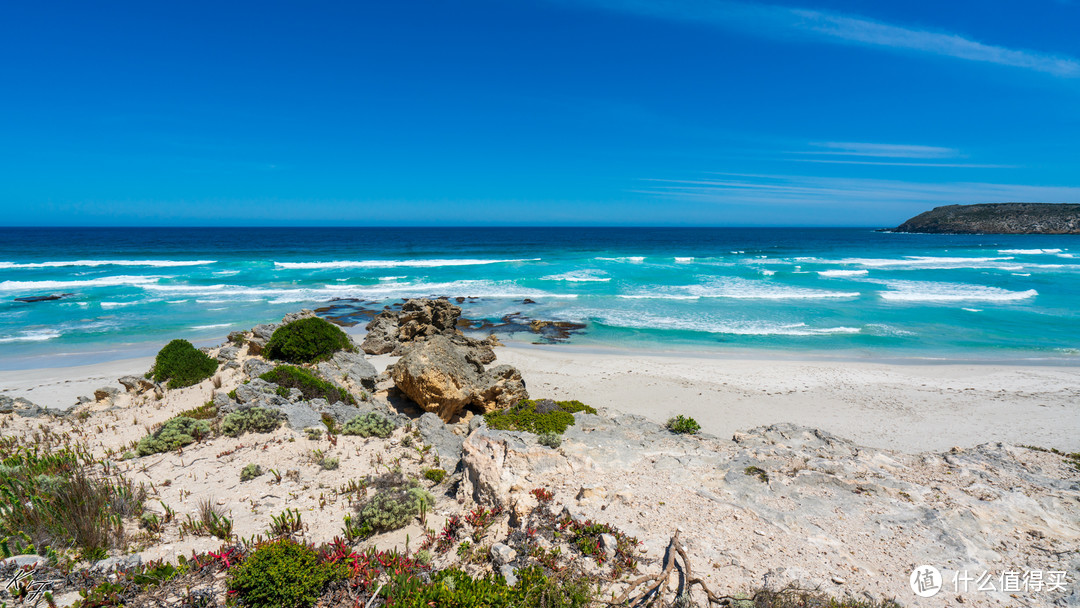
[{"x": 845, "y": 292}]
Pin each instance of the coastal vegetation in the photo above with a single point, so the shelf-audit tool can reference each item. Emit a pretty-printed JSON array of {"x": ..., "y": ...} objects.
[
  {"x": 181, "y": 364},
  {"x": 539, "y": 416},
  {"x": 250, "y": 420},
  {"x": 683, "y": 425},
  {"x": 175, "y": 433},
  {"x": 307, "y": 340},
  {"x": 310, "y": 386},
  {"x": 371, "y": 424}
]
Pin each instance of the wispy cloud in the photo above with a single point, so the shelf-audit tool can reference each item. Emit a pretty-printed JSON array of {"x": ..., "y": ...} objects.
[
  {"x": 849, "y": 148},
  {"x": 901, "y": 163},
  {"x": 851, "y": 193},
  {"x": 847, "y": 29}
]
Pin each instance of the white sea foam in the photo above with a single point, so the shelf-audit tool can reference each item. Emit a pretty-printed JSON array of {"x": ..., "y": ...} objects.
[
  {"x": 768, "y": 273},
  {"x": 279, "y": 295},
  {"x": 388, "y": 278},
  {"x": 929, "y": 263},
  {"x": 113, "y": 281},
  {"x": 39, "y": 335},
  {"x": 392, "y": 263},
  {"x": 94, "y": 263},
  {"x": 635, "y": 259},
  {"x": 744, "y": 289},
  {"x": 213, "y": 326},
  {"x": 842, "y": 273},
  {"x": 1027, "y": 251},
  {"x": 578, "y": 276},
  {"x": 683, "y": 260},
  {"x": 973, "y": 309},
  {"x": 740, "y": 328},
  {"x": 118, "y": 304},
  {"x": 926, "y": 291}
]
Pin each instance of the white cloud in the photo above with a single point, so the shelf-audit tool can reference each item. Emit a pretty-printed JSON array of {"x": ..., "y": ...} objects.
[
  {"x": 886, "y": 150},
  {"x": 840, "y": 28},
  {"x": 837, "y": 192}
]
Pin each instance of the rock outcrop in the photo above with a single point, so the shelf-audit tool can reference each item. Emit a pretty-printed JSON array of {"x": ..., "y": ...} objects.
[
  {"x": 997, "y": 218},
  {"x": 796, "y": 504},
  {"x": 443, "y": 378},
  {"x": 419, "y": 319}
]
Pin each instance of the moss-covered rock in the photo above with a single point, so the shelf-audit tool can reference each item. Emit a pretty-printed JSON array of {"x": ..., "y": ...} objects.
[{"x": 306, "y": 341}]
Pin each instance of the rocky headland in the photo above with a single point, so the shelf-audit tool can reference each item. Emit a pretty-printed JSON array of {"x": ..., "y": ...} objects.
[
  {"x": 997, "y": 218},
  {"x": 521, "y": 489}
]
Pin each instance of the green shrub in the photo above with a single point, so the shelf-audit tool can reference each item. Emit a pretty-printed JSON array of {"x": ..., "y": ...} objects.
[
  {"x": 550, "y": 440},
  {"x": 206, "y": 411},
  {"x": 555, "y": 417},
  {"x": 394, "y": 506},
  {"x": 251, "y": 420},
  {"x": 454, "y": 587},
  {"x": 313, "y": 433},
  {"x": 307, "y": 341},
  {"x": 283, "y": 574},
  {"x": 182, "y": 365},
  {"x": 371, "y": 424},
  {"x": 175, "y": 433},
  {"x": 250, "y": 472},
  {"x": 435, "y": 475},
  {"x": 683, "y": 425},
  {"x": 329, "y": 463},
  {"x": 310, "y": 385}
]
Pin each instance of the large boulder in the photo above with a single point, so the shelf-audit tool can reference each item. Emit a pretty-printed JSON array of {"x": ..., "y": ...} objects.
[
  {"x": 437, "y": 377},
  {"x": 136, "y": 384},
  {"x": 440, "y": 377}
]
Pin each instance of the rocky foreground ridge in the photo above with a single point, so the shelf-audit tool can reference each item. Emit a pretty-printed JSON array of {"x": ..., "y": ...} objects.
[
  {"x": 772, "y": 507},
  {"x": 997, "y": 218}
]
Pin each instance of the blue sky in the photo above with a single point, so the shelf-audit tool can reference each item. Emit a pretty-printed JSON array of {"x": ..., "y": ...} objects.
[{"x": 609, "y": 112}]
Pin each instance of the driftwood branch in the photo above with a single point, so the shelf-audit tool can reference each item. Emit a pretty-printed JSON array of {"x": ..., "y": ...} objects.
[{"x": 647, "y": 589}]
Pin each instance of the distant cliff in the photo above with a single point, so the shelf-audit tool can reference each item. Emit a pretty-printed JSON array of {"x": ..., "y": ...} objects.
[{"x": 997, "y": 218}]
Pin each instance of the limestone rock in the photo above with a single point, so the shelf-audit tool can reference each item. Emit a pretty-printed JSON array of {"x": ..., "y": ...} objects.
[
  {"x": 499, "y": 388},
  {"x": 349, "y": 368},
  {"x": 437, "y": 377},
  {"x": 136, "y": 384},
  {"x": 442, "y": 439},
  {"x": 382, "y": 334}
]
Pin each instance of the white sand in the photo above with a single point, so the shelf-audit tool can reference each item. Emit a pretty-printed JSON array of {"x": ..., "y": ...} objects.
[
  {"x": 911, "y": 408},
  {"x": 60, "y": 387}
]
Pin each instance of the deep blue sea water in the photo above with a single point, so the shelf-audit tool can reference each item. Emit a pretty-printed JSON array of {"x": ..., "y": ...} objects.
[{"x": 835, "y": 292}]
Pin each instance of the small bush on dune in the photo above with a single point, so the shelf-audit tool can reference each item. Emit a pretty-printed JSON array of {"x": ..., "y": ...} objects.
[
  {"x": 435, "y": 475},
  {"x": 283, "y": 574},
  {"x": 251, "y": 420},
  {"x": 396, "y": 502},
  {"x": 250, "y": 472},
  {"x": 307, "y": 341},
  {"x": 181, "y": 364},
  {"x": 310, "y": 385},
  {"x": 371, "y": 424},
  {"x": 175, "y": 433},
  {"x": 683, "y": 425},
  {"x": 538, "y": 416}
]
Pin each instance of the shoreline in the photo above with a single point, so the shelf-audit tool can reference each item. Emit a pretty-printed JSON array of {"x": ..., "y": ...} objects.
[{"x": 909, "y": 407}]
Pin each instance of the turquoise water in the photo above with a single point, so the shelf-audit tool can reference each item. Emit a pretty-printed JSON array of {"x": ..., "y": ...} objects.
[{"x": 836, "y": 292}]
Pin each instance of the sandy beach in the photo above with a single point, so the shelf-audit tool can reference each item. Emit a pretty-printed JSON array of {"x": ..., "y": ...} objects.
[{"x": 906, "y": 407}]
